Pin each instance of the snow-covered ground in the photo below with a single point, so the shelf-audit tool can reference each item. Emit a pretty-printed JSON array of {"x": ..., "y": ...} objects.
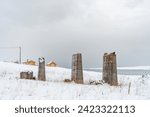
[
  {"x": 14, "y": 88},
  {"x": 126, "y": 68}
]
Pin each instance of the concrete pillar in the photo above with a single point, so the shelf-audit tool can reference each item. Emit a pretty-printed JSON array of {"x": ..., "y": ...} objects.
[
  {"x": 77, "y": 71},
  {"x": 41, "y": 71},
  {"x": 110, "y": 69},
  {"x": 114, "y": 80},
  {"x": 105, "y": 67},
  {"x": 26, "y": 75}
]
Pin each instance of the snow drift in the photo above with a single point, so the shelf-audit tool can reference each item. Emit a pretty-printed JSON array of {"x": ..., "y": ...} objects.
[{"x": 54, "y": 88}]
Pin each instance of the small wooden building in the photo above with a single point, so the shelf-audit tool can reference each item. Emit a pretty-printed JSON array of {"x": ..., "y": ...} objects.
[
  {"x": 52, "y": 64},
  {"x": 30, "y": 62}
]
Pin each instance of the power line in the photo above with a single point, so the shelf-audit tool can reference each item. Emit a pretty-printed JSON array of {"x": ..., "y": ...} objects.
[{"x": 7, "y": 47}]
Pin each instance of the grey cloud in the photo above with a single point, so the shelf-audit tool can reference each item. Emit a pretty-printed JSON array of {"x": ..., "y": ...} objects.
[
  {"x": 58, "y": 28},
  {"x": 133, "y": 3}
]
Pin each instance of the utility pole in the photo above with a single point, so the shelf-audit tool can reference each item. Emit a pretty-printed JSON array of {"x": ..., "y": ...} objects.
[{"x": 20, "y": 54}]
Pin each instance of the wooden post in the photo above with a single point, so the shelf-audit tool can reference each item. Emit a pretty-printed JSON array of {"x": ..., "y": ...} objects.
[
  {"x": 77, "y": 71},
  {"x": 41, "y": 71},
  {"x": 129, "y": 88}
]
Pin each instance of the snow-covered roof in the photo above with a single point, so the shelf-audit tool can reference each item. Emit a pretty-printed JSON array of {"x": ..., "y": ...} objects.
[{"x": 51, "y": 62}]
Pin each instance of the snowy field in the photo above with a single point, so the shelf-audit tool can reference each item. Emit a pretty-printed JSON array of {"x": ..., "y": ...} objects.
[{"x": 14, "y": 88}]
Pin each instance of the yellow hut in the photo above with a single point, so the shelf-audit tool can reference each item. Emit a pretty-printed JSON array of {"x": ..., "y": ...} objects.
[
  {"x": 30, "y": 62},
  {"x": 52, "y": 64}
]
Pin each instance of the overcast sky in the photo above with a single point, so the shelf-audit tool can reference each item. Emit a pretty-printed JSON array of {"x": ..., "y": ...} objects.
[{"x": 56, "y": 29}]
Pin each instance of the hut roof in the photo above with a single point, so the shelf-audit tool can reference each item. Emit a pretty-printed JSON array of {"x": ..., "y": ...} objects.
[{"x": 51, "y": 62}]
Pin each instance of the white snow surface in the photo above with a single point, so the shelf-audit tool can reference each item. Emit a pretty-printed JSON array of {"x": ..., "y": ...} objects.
[
  {"x": 127, "y": 68},
  {"x": 54, "y": 88}
]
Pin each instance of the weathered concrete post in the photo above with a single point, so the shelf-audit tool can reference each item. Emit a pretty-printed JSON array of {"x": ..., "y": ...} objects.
[
  {"x": 105, "y": 68},
  {"x": 41, "y": 71},
  {"x": 26, "y": 75},
  {"x": 114, "y": 80},
  {"x": 110, "y": 69},
  {"x": 77, "y": 71}
]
